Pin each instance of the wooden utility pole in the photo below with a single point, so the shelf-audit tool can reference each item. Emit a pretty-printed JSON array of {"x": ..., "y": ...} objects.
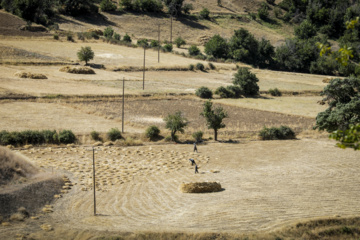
[
  {"x": 144, "y": 69},
  {"x": 123, "y": 101},
  {"x": 94, "y": 182},
  {"x": 171, "y": 29},
  {"x": 159, "y": 44}
]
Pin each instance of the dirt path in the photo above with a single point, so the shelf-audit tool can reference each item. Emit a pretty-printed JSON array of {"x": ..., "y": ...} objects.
[{"x": 263, "y": 188}]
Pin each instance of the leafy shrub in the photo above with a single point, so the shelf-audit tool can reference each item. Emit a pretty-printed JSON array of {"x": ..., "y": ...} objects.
[
  {"x": 69, "y": 37},
  {"x": 95, "y": 135},
  {"x": 274, "y": 133},
  {"x": 154, "y": 43},
  {"x": 107, "y": 6},
  {"x": 204, "y": 13},
  {"x": 247, "y": 81},
  {"x": 252, "y": 16},
  {"x": 236, "y": 90},
  {"x": 263, "y": 12},
  {"x": 217, "y": 47},
  {"x": 127, "y": 38},
  {"x": 198, "y": 136},
  {"x": 212, "y": 66},
  {"x": 277, "y": 12},
  {"x": 56, "y": 36},
  {"x": 200, "y": 66},
  {"x": 179, "y": 42},
  {"x": 49, "y": 136},
  {"x": 117, "y": 36},
  {"x": 187, "y": 8},
  {"x": 191, "y": 67},
  {"x": 152, "y": 132},
  {"x": 85, "y": 54},
  {"x": 81, "y": 36},
  {"x": 204, "y": 92},
  {"x": 167, "y": 47},
  {"x": 142, "y": 42},
  {"x": 305, "y": 30},
  {"x": 200, "y": 57},
  {"x": 108, "y": 32},
  {"x": 66, "y": 137},
  {"x": 275, "y": 92},
  {"x": 114, "y": 134},
  {"x": 224, "y": 92},
  {"x": 193, "y": 50}
]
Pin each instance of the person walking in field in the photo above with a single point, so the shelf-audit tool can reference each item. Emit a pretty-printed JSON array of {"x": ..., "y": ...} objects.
[
  {"x": 196, "y": 169},
  {"x": 195, "y": 148},
  {"x": 192, "y": 162}
]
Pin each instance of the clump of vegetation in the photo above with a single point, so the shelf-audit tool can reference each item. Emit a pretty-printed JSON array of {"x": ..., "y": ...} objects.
[
  {"x": 117, "y": 36},
  {"x": 95, "y": 136},
  {"x": 247, "y": 82},
  {"x": 204, "y": 92},
  {"x": 198, "y": 136},
  {"x": 77, "y": 70},
  {"x": 36, "y": 137},
  {"x": 108, "y": 32},
  {"x": 69, "y": 37},
  {"x": 167, "y": 47},
  {"x": 107, "y": 6},
  {"x": 142, "y": 6},
  {"x": 154, "y": 44},
  {"x": 85, "y": 54},
  {"x": 127, "y": 38},
  {"x": 194, "y": 50},
  {"x": 175, "y": 123},
  {"x": 114, "y": 134},
  {"x": 275, "y": 92},
  {"x": 214, "y": 117},
  {"x": 274, "y": 133},
  {"x": 142, "y": 42},
  {"x": 263, "y": 11},
  {"x": 179, "y": 42},
  {"x": 211, "y": 66},
  {"x": 200, "y": 66},
  {"x": 224, "y": 92},
  {"x": 152, "y": 132},
  {"x": 66, "y": 137},
  {"x": 191, "y": 67},
  {"x": 204, "y": 13},
  {"x": 56, "y": 36}
]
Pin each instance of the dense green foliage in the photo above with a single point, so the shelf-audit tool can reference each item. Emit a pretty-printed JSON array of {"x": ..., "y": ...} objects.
[
  {"x": 200, "y": 66},
  {"x": 114, "y": 134},
  {"x": 214, "y": 117},
  {"x": 107, "y": 6},
  {"x": 263, "y": 11},
  {"x": 247, "y": 82},
  {"x": 167, "y": 47},
  {"x": 175, "y": 7},
  {"x": 274, "y": 133},
  {"x": 349, "y": 138},
  {"x": 275, "y": 92},
  {"x": 179, "y": 42},
  {"x": 95, "y": 135},
  {"x": 108, "y": 32},
  {"x": 194, "y": 50},
  {"x": 152, "y": 132},
  {"x": 231, "y": 91},
  {"x": 85, "y": 54},
  {"x": 204, "y": 92},
  {"x": 36, "y": 137},
  {"x": 127, "y": 38},
  {"x": 175, "y": 123},
  {"x": 142, "y": 6},
  {"x": 204, "y": 13},
  {"x": 343, "y": 98},
  {"x": 217, "y": 47}
]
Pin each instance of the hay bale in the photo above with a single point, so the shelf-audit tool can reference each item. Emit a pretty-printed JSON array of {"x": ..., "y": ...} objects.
[
  {"x": 30, "y": 75},
  {"x": 77, "y": 70},
  {"x": 200, "y": 187}
]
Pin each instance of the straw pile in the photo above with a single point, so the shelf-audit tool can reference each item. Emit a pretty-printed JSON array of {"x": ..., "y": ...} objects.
[
  {"x": 30, "y": 75},
  {"x": 77, "y": 70},
  {"x": 200, "y": 187}
]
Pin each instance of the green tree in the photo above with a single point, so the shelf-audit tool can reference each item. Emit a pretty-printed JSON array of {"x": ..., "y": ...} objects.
[
  {"x": 343, "y": 98},
  {"x": 350, "y": 138},
  {"x": 179, "y": 42},
  {"x": 244, "y": 46},
  {"x": 305, "y": 30},
  {"x": 194, "y": 50},
  {"x": 108, "y": 32},
  {"x": 214, "y": 117},
  {"x": 247, "y": 81},
  {"x": 174, "y": 7},
  {"x": 85, "y": 54},
  {"x": 152, "y": 132},
  {"x": 77, "y": 7},
  {"x": 204, "y": 92},
  {"x": 176, "y": 123},
  {"x": 204, "y": 13},
  {"x": 217, "y": 47},
  {"x": 107, "y": 6}
]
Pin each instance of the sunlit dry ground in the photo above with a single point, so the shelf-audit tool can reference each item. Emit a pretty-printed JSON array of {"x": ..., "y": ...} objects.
[{"x": 263, "y": 188}]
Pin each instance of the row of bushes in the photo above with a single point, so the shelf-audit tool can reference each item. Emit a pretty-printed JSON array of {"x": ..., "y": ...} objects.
[
  {"x": 36, "y": 137},
  {"x": 274, "y": 133}
]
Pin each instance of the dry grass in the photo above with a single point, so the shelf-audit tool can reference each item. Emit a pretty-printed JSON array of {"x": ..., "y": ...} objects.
[
  {"x": 200, "y": 187},
  {"x": 30, "y": 75},
  {"x": 14, "y": 167},
  {"x": 77, "y": 70}
]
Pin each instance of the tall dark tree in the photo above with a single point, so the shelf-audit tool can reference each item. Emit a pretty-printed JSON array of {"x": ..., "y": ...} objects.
[{"x": 214, "y": 117}]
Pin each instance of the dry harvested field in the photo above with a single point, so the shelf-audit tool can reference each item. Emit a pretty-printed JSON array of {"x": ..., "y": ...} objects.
[{"x": 265, "y": 185}]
